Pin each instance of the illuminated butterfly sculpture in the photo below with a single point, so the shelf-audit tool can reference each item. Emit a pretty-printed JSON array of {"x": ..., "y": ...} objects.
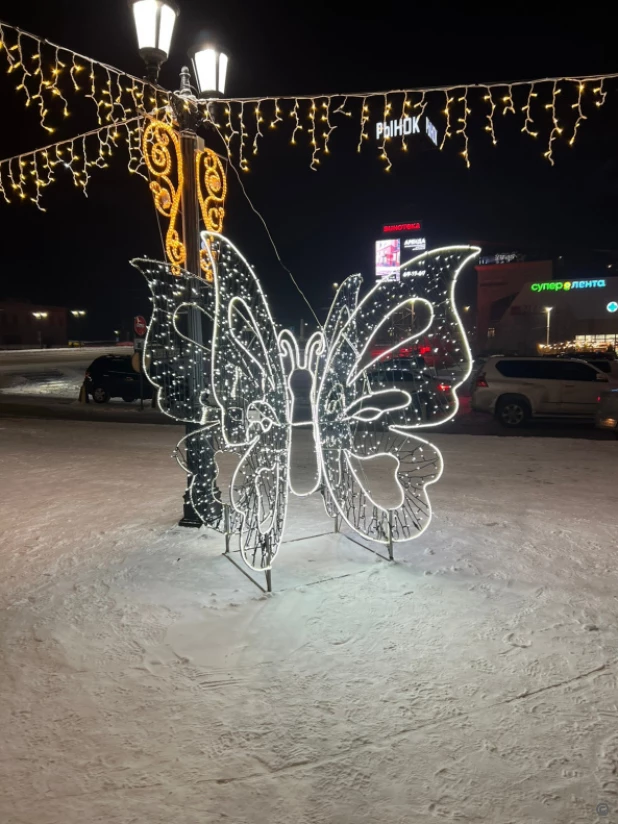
[{"x": 359, "y": 422}]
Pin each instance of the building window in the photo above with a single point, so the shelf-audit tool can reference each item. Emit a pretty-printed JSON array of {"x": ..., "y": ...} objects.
[
  {"x": 597, "y": 340},
  {"x": 491, "y": 332}
]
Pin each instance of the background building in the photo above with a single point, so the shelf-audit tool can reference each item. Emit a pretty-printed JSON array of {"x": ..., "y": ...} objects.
[
  {"x": 515, "y": 290},
  {"x": 24, "y": 325}
]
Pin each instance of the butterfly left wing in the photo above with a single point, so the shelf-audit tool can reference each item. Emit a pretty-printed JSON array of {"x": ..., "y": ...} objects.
[
  {"x": 177, "y": 363},
  {"x": 376, "y": 474}
]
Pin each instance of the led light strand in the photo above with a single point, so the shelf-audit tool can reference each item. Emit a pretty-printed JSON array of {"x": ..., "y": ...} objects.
[
  {"x": 258, "y": 127},
  {"x": 509, "y": 104},
  {"x": 447, "y": 113},
  {"x": 580, "y": 113},
  {"x": 529, "y": 121},
  {"x": 463, "y": 129},
  {"x": 244, "y": 165},
  {"x": 53, "y": 78},
  {"x": 600, "y": 90},
  {"x": 277, "y": 114},
  {"x": 341, "y": 109},
  {"x": 315, "y": 161},
  {"x": 364, "y": 119},
  {"x": 556, "y": 128},
  {"x": 383, "y": 148},
  {"x": 40, "y": 166},
  {"x": 297, "y": 124},
  {"x": 490, "y": 127},
  {"x": 404, "y": 113},
  {"x": 330, "y": 127}
]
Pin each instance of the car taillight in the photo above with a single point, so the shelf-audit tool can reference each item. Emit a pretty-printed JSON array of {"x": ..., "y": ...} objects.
[
  {"x": 481, "y": 382},
  {"x": 443, "y": 387}
]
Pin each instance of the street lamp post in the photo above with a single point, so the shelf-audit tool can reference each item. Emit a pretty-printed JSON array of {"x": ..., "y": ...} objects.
[
  {"x": 40, "y": 316},
  {"x": 548, "y": 310},
  {"x": 155, "y": 21},
  {"x": 79, "y": 315}
]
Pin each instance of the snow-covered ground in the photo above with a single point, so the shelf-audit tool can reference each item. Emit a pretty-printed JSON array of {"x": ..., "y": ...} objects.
[
  {"x": 51, "y": 373},
  {"x": 144, "y": 679}
]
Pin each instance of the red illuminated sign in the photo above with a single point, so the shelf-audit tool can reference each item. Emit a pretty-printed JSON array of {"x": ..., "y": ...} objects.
[{"x": 403, "y": 227}]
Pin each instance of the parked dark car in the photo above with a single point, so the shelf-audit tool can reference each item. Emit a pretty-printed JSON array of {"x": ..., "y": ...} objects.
[{"x": 113, "y": 376}]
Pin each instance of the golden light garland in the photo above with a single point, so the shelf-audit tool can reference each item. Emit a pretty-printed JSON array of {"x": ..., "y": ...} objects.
[
  {"x": 52, "y": 78},
  {"x": 163, "y": 156},
  {"x": 25, "y": 177},
  {"x": 450, "y": 109},
  {"x": 211, "y": 193}
]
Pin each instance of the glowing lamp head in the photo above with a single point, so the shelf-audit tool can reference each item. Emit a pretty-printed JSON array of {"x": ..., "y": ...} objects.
[
  {"x": 210, "y": 70},
  {"x": 155, "y": 21}
]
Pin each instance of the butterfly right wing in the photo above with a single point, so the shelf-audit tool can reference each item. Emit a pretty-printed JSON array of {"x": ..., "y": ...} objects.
[{"x": 376, "y": 473}]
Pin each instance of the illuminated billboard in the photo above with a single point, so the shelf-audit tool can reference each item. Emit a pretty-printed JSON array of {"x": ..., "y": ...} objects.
[
  {"x": 388, "y": 258},
  {"x": 415, "y": 244}
]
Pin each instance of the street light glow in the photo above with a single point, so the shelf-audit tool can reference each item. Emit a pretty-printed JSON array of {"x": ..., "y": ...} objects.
[
  {"x": 210, "y": 69},
  {"x": 40, "y": 315},
  {"x": 155, "y": 21},
  {"x": 78, "y": 313}
]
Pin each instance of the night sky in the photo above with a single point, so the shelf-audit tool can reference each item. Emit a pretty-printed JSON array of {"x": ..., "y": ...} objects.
[{"x": 324, "y": 223}]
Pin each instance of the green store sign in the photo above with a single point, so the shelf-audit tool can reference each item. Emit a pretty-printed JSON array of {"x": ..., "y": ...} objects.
[{"x": 566, "y": 285}]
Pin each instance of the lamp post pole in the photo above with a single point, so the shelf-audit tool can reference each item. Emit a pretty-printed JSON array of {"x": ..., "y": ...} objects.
[
  {"x": 548, "y": 310},
  {"x": 154, "y": 22},
  {"x": 190, "y": 144}
]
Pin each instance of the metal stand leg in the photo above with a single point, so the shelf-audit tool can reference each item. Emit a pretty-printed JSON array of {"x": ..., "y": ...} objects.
[
  {"x": 337, "y": 523},
  {"x": 269, "y": 582},
  {"x": 390, "y": 535},
  {"x": 226, "y": 521}
]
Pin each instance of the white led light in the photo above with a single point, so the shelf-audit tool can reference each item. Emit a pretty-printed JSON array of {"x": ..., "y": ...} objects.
[
  {"x": 223, "y": 61},
  {"x": 166, "y": 28},
  {"x": 145, "y": 15}
]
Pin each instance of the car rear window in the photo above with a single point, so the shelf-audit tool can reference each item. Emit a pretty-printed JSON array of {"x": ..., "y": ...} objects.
[
  {"x": 546, "y": 370},
  {"x": 521, "y": 368},
  {"x": 602, "y": 366}
]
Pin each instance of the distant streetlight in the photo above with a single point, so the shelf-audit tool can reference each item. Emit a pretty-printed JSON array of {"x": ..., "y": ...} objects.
[
  {"x": 155, "y": 21},
  {"x": 548, "y": 309},
  {"x": 79, "y": 315},
  {"x": 466, "y": 308},
  {"x": 40, "y": 316},
  {"x": 335, "y": 286}
]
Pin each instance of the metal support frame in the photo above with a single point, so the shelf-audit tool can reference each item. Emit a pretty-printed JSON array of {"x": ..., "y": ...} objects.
[
  {"x": 390, "y": 535},
  {"x": 226, "y": 524},
  {"x": 228, "y": 554}
]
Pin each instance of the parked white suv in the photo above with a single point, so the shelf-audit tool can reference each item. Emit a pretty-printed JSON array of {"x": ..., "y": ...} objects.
[{"x": 516, "y": 389}]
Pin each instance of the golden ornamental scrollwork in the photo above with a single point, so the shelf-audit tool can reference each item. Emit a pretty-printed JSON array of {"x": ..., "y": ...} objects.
[
  {"x": 162, "y": 154},
  {"x": 211, "y": 192}
]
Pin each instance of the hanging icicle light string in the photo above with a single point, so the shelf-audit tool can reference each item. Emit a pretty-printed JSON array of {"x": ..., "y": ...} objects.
[
  {"x": 51, "y": 79},
  {"x": 544, "y": 109},
  {"x": 25, "y": 177}
]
